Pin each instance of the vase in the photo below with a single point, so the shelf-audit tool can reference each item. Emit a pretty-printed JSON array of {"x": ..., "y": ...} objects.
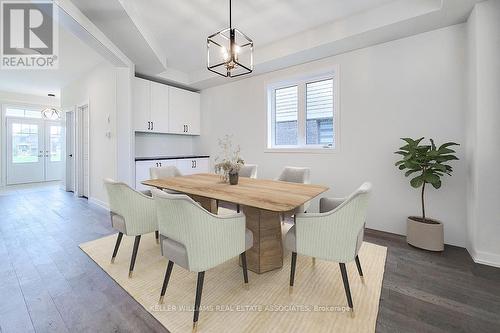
[
  {"x": 233, "y": 178},
  {"x": 428, "y": 236}
]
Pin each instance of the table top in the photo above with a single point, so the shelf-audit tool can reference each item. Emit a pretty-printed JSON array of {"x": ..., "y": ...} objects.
[{"x": 265, "y": 194}]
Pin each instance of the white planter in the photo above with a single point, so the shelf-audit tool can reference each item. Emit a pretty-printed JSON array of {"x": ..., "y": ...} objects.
[{"x": 427, "y": 236}]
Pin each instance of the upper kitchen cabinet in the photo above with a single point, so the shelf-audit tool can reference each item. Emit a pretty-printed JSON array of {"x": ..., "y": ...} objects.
[
  {"x": 141, "y": 102},
  {"x": 159, "y": 107},
  {"x": 184, "y": 112},
  {"x": 150, "y": 101}
]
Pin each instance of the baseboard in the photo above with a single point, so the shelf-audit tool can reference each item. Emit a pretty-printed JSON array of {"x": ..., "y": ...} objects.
[
  {"x": 485, "y": 258},
  {"x": 99, "y": 203}
]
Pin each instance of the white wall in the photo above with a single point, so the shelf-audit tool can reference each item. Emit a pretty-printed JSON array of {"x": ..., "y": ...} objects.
[
  {"x": 98, "y": 88},
  {"x": 13, "y": 98},
  {"x": 483, "y": 156},
  {"x": 152, "y": 144},
  {"x": 409, "y": 87}
]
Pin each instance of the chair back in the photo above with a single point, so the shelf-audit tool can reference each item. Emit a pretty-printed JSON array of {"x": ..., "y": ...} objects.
[
  {"x": 248, "y": 170},
  {"x": 136, "y": 209},
  {"x": 207, "y": 238},
  {"x": 164, "y": 172},
  {"x": 334, "y": 235},
  {"x": 296, "y": 175}
]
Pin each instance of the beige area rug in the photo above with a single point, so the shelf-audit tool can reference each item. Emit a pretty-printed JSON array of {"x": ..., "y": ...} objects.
[{"x": 317, "y": 303}]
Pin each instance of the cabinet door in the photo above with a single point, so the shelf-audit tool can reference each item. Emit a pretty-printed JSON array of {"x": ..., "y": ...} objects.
[
  {"x": 159, "y": 107},
  {"x": 141, "y": 103},
  {"x": 193, "y": 114},
  {"x": 142, "y": 173},
  {"x": 201, "y": 165},
  {"x": 184, "y": 112}
]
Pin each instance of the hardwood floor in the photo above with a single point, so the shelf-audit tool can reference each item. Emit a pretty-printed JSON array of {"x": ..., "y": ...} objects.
[{"x": 47, "y": 284}]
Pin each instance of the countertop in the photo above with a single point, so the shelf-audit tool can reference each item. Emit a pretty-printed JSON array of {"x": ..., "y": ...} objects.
[{"x": 177, "y": 157}]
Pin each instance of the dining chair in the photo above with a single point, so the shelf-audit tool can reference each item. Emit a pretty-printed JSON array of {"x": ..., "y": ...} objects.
[
  {"x": 334, "y": 234},
  {"x": 249, "y": 171},
  {"x": 198, "y": 240},
  {"x": 132, "y": 214},
  {"x": 296, "y": 175}
]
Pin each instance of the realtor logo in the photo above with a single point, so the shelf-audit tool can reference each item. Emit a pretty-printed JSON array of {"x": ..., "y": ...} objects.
[{"x": 29, "y": 35}]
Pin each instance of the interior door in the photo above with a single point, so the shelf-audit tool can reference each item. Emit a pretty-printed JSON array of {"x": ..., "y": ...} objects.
[
  {"x": 25, "y": 151},
  {"x": 54, "y": 159},
  {"x": 86, "y": 148},
  {"x": 70, "y": 151}
]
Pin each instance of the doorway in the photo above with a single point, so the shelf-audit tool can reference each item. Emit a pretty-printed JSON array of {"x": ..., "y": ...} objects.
[{"x": 34, "y": 150}]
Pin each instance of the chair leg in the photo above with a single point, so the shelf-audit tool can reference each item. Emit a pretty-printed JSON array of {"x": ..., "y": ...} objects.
[
  {"x": 157, "y": 236},
  {"x": 117, "y": 245},
  {"x": 134, "y": 255},
  {"x": 237, "y": 208},
  {"x": 244, "y": 265},
  {"x": 360, "y": 270},
  {"x": 345, "y": 279},
  {"x": 165, "y": 280},
  {"x": 197, "y": 301},
  {"x": 292, "y": 268}
]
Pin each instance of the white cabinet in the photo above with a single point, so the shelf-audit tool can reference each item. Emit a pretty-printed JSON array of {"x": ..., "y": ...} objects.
[
  {"x": 192, "y": 166},
  {"x": 184, "y": 112},
  {"x": 187, "y": 166},
  {"x": 159, "y": 107},
  {"x": 141, "y": 103},
  {"x": 150, "y": 103}
]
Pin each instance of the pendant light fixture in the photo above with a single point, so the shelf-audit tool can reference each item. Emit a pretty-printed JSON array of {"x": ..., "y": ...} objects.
[
  {"x": 51, "y": 113},
  {"x": 230, "y": 52}
]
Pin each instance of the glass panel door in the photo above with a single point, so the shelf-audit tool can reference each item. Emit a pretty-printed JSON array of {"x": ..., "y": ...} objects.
[{"x": 25, "y": 151}]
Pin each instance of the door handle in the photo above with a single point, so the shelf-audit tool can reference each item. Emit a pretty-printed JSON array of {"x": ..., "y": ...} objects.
[{"x": 70, "y": 155}]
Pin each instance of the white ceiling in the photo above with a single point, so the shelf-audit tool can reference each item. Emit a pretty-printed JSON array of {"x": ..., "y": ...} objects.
[
  {"x": 75, "y": 58},
  {"x": 182, "y": 27},
  {"x": 166, "y": 39}
]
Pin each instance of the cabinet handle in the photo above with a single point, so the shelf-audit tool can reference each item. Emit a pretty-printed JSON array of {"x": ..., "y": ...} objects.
[
  {"x": 149, "y": 125},
  {"x": 187, "y": 131},
  {"x": 160, "y": 163},
  {"x": 152, "y": 125},
  {"x": 195, "y": 163}
]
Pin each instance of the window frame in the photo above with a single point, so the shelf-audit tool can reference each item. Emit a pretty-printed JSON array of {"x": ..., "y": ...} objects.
[{"x": 301, "y": 83}]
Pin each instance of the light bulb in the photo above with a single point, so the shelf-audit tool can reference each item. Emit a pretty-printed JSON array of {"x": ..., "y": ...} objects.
[{"x": 225, "y": 54}]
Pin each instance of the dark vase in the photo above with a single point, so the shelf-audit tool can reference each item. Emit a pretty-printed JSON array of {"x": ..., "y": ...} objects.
[{"x": 233, "y": 178}]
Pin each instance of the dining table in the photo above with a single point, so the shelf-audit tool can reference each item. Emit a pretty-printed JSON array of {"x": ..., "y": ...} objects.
[{"x": 264, "y": 203}]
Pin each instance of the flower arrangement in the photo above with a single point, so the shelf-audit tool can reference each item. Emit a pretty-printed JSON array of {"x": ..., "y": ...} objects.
[{"x": 229, "y": 162}]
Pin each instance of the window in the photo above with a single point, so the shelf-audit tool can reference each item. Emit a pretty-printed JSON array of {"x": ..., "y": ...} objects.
[
  {"x": 22, "y": 113},
  {"x": 303, "y": 114}
]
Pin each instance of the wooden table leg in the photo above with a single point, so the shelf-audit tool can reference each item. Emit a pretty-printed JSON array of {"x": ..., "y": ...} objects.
[{"x": 267, "y": 251}]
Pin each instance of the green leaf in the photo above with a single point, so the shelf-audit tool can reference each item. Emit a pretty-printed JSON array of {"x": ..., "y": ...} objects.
[
  {"x": 432, "y": 144},
  {"x": 409, "y": 172},
  {"x": 436, "y": 184},
  {"x": 402, "y": 166},
  {"x": 417, "y": 182},
  {"x": 448, "y": 144}
]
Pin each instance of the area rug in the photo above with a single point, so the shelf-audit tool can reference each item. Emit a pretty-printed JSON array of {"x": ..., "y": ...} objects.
[{"x": 316, "y": 304}]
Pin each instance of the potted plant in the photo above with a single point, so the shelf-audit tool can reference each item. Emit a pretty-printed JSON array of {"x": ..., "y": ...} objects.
[
  {"x": 230, "y": 161},
  {"x": 426, "y": 164}
]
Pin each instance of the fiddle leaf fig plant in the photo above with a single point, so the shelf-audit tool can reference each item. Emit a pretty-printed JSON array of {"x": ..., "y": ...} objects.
[{"x": 425, "y": 164}]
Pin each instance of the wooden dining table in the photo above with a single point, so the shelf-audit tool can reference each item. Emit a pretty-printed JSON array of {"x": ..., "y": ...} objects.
[{"x": 263, "y": 202}]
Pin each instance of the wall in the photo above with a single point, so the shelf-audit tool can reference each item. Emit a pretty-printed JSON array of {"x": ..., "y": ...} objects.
[
  {"x": 409, "y": 87},
  {"x": 12, "y": 98},
  {"x": 98, "y": 88},
  {"x": 483, "y": 156},
  {"x": 152, "y": 144}
]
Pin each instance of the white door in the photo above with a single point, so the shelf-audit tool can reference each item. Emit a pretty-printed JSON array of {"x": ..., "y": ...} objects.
[
  {"x": 54, "y": 159},
  {"x": 25, "y": 151},
  {"x": 70, "y": 151},
  {"x": 85, "y": 151}
]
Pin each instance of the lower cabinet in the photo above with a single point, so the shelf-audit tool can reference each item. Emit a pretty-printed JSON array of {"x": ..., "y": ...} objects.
[{"x": 187, "y": 166}]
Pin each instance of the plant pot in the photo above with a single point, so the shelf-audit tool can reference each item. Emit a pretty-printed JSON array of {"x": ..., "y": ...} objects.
[
  {"x": 427, "y": 235},
  {"x": 233, "y": 178}
]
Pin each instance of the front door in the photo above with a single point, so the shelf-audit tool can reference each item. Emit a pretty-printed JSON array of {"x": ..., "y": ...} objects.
[
  {"x": 54, "y": 161},
  {"x": 25, "y": 150}
]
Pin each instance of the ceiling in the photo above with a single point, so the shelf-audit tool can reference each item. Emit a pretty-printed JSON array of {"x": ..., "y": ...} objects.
[
  {"x": 182, "y": 27},
  {"x": 166, "y": 39},
  {"x": 75, "y": 58}
]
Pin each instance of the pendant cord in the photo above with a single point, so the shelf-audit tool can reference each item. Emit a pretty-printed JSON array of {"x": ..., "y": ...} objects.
[{"x": 230, "y": 23}]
